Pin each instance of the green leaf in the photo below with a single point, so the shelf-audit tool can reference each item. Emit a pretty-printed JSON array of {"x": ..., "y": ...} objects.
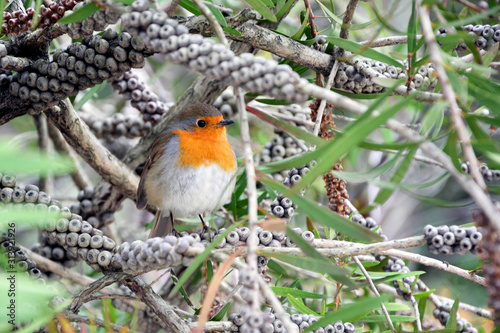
[
  {"x": 88, "y": 95},
  {"x": 126, "y": 2},
  {"x": 412, "y": 30},
  {"x": 311, "y": 264},
  {"x": 300, "y": 32},
  {"x": 297, "y": 304},
  {"x": 284, "y": 291},
  {"x": 286, "y": 6},
  {"x": 433, "y": 120},
  {"x": 385, "y": 194},
  {"x": 232, "y": 31},
  {"x": 190, "y": 7},
  {"x": 28, "y": 161},
  {"x": 218, "y": 15},
  {"x": 80, "y": 14},
  {"x": 397, "y": 307},
  {"x": 452, "y": 321},
  {"x": 329, "y": 13},
  {"x": 322, "y": 214},
  {"x": 287, "y": 127},
  {"x": 364, "y": 50},
  {"x": 274, "y": 266},
  {"x": 471, "y": 19},
  {"x": 263, "y": 9},
  {"x": 382, "y": 319},
  {"x": 337, "y": 273},
  {"x": 350, "y": 312},
  {"x": 27, "y": 299},
  {"x": 355, "y": 132},
  {"x": 220, "y": 315}
]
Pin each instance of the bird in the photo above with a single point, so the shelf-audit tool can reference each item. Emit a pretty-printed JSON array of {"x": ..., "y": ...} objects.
[{"x": 190, "y": 170}]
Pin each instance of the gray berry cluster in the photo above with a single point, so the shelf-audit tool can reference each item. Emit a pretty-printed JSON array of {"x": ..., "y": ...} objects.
[
  {"x": 485, "y": 35},
  {"x": 488, "y": 175},
  {"x": 404, "y": 288},
  {"x": 281, "y": 146},
  {"x": 254, "y": 74},
  {"x": 98, "y": 21},
  {"x": 356, "y": 78},
  {"x": 61, "y": 228},
  {"x": 49, "y": 249},
  {"x": 368, "y": 222},
  {"x": 141, "y": 97},
  {"x": 9, "y": 247},
  {"x": 117, "y": 126},
  {"x": 5, "y": 78},
  {"x": 139, "y": 256},
  {"x": 80, "y": 66},
  {"x": 295, "y": 175},
  {"x": 85, "y": 208},
  {"x": 452, "y": 239},
  {"x": 239, "y": 237},
  {"x": 226, "y": 103},
  {"x": 442, "y": 313},
  {"x": 296, "y": 115},
  {"x": 266, "y": 322},
  {"x": 283, "y": 207}
]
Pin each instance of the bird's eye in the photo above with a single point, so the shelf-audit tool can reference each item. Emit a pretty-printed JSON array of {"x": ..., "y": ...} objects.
[{"x": 201, "y": 123}]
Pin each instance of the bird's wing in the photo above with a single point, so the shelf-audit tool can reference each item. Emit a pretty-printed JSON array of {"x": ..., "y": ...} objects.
[{"x": 157, "y": 149}]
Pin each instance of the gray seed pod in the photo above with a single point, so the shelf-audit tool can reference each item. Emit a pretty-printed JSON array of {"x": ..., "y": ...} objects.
[
  {"x": 62, "y": 225},
  {"x": 93, "y": 256},
  {"x": 84, "y": 240},
  {"x": 72, "y": 239},
  {"x": 31, "y": 196},
  {"x": 104, "y": 258},
  {"x": 265, "y": 237},
  {"x": 96, "y": 241},
  {"x": 18, "y": 195}
]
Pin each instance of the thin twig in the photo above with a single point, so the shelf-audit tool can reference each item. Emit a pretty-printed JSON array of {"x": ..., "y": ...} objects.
[
  {"x": 158, "y": 305},
  {"x": 97, "y": 285},
  {"x": 173, "y": 6},
  {"x": 416, "y": 312},
  {"x": 346, "y": 22},
  {"x": 427, "y": 261},
  {"x": 449, "y": 94},
  {"x": 43, "y": 145},
  {"x": 79, "y": 176},
  {"x": 375, "y": 291},
  {"x": 226, "y": 10},
  {"x": 251, "y": 193},
  {"x": 388, "y": 41},
  {"x": 323, "y": 102},
  {"x": 95, "y": 321},
  {"x": 213, "y": 21}
]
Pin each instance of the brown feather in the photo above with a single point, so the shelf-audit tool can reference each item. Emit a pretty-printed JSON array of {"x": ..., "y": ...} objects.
[
  {"x": 157, "y": 149},
  {"x": 162, "y": 226}
]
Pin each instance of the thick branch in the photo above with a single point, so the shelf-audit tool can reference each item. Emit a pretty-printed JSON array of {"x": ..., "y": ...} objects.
[
  {"x": 79, "y": 136},
  {"x": 163, "y": 310}
]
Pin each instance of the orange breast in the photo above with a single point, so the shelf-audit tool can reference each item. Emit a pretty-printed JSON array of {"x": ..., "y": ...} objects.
[{"x": 204, "y": 147}]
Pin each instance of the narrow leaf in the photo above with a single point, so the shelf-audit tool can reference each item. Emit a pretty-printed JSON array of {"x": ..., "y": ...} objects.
[
  {"x": 80, "y": 14},
  {"x": 364, "y": 50},
  {"x": 263, "y": 9}
]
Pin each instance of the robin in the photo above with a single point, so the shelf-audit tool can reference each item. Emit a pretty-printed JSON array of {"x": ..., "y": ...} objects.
[{"x": 190, "y": 170}]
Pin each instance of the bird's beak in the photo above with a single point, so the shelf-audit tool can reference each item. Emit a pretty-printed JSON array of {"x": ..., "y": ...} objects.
[{"x": 225, "y": 123}]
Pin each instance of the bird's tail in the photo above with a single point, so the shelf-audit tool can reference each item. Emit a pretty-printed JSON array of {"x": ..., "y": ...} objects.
[{"x": 162, "y": 226}]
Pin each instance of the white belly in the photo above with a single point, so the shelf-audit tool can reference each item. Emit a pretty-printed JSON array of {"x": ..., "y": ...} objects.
[
  {"x": 198, "y": 191},
  {"x": 188, "y": 192}
]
